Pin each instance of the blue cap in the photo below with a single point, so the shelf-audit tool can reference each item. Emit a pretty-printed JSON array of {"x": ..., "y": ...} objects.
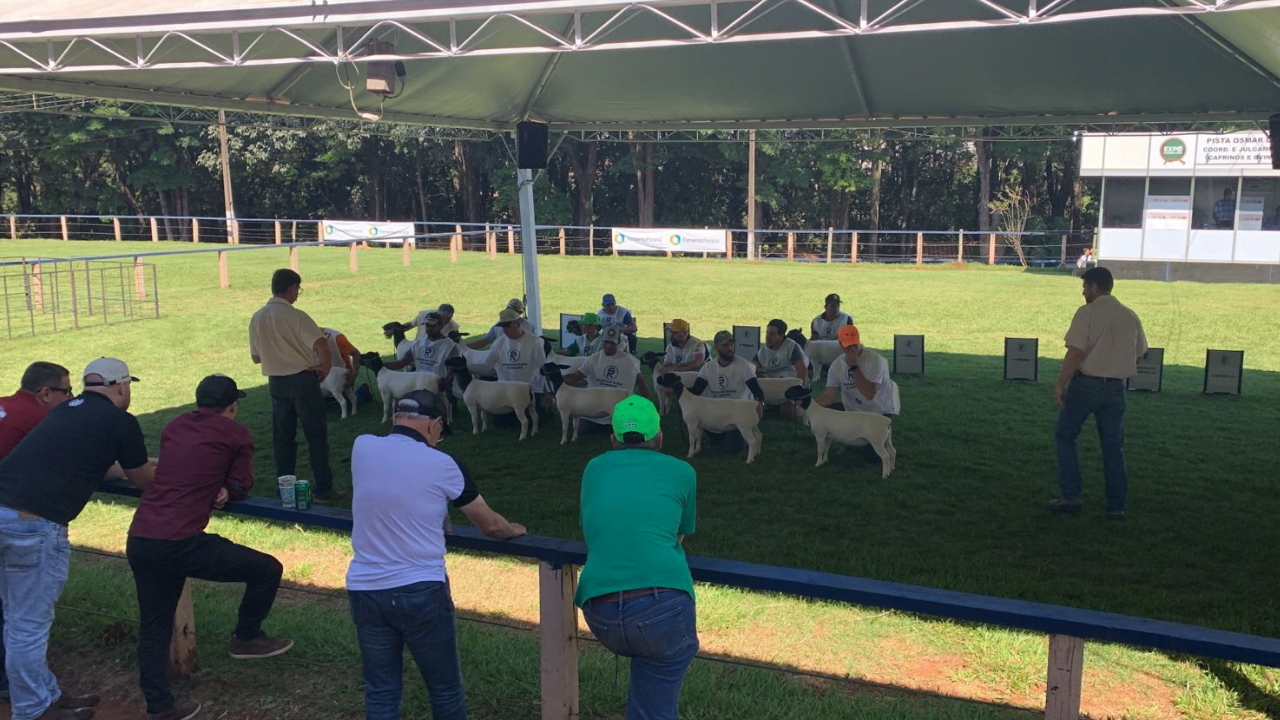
[{"x": 608, "y": 299}]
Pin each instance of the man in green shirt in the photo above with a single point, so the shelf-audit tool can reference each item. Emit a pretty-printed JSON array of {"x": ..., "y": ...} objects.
[{"x": 635, "y": 592}]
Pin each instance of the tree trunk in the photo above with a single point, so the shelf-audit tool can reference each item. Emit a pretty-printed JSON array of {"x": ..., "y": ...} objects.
[
  {"x": 470, "y": 185},
  {"x": 642, "y": 154},
  {"x": 983, "y": 154},
  {"x": 422, "y": 194},
  {"x": 877, "y": 176},
  {"x": 164, "y": 210}
]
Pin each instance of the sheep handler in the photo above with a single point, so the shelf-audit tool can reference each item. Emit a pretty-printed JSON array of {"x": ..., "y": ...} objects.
[
  {"x": 609, "y": 368},
  {"x": 729, "y": 376}
]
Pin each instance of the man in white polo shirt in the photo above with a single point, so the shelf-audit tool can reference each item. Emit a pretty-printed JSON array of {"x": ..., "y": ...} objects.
[
  {"x": 861, "y": 378},
  {"x": 828, "y": 324},
  {"x": 402, "y": 487},
  {"x": 1104, "y": 343}
]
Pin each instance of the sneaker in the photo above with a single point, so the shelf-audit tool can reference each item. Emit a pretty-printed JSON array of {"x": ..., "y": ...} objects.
[
  {"x": 75, "y": 702},
  {"x": 181, "y": 710},
  {"x": 329, "y": 497},
  {"x": 1117, "y": 515},
  {"x": 1064, "y": 506},
  {"x": 53, "y": 712},
  {"x": 263, "y": 646}
]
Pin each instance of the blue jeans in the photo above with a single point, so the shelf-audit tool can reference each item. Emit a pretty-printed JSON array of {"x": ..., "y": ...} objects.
[
  {"x": 659, "y": 632},
  {"x": 420, "y": 616},
  {"x": 37, "y": 556},
  {"x": 1104, "y": 398}
]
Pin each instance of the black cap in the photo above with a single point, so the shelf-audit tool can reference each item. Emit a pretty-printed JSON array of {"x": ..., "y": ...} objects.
[
  {"x": 433, "y": 318},
  {"x": 423, "y": 403},
  {"x": 217, "y": 391},
  {"x": 833, "y": 298}
]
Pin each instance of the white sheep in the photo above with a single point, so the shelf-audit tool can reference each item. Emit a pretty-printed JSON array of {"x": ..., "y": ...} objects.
[
  {"x": 687, "y": 378},
  {"x": 717, "y": 415},
  {"x": 494, "y": 397},
  {"x": 821, "y": 354},
  {"x": 849, "y": 427},
  {"x": 580, "y": 402},
  {"x": 335, "y": 386},
  {"x": 393, "y": 385},
  {"x": 775, "y": 389}
]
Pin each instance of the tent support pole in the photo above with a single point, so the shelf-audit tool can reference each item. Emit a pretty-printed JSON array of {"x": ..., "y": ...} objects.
[{"x": 529, "y": 250}]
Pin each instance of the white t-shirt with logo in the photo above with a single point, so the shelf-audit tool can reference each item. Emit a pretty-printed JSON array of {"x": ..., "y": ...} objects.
[
  {"x": 451, "y": 326},
  {"x": 586, "y": 346},
  {"x": 429, "y": 355},
  {"x": 612, "y": 371},
  {"x": 875, "y": 369},
  {"x": 781, "y": 363},
  {"x": 677, "y": 356},
  {"x": 495, "y": 332},
  {"x": 517, "y": 360},
  {"x": 828, "y": 329},
  {"x": 618, "y": 317},
  {"x": 728, "y": 382}
]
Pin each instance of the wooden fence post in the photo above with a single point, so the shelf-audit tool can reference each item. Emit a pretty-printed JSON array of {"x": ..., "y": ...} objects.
[
  {"x": 195, "y": 230},
  {"x": 991, "y": 249},
  {"x": 558, "y": 637},
  {"x": 155, "y": 230},
  {"x": 493, "y": 244},
  {"x": 37, "y": 287},
  {"x": 115, "y": 226},
  {"x": 919, "y": 248},
  {"x": 831, "y": 239},
  {"x": 65, "y": 236},
  {"x": 182, "y": 646},
  {"x": 278, "y": 232},
  {"x": 562, "y": 241},
  {"x": 235, "y": 231},
  {"x": 320, "y": 232},
  {"x": 223, "y": 281},
  {"x": 591, "y": 240},
  {"x": 457, "y": 236},
  {"x": 13, "y": 227},
  {"x": 960, "y": 248},
  {"x": 139, "y": 278},
  {"x": 511, "y": 241},
  {"x": 791, "y": 246},
  {"x": 1062, "y": 257},
  {"x": 293, "y": 232},
  {"x": 293, "y": 258},
  {"x": 454, "y": 242},
  {"x": 406, "y": 245},
  {"x": 1066, "y": 666},
  {"x": 853, "y": 250},
  {"x": 352, "y": 258}
]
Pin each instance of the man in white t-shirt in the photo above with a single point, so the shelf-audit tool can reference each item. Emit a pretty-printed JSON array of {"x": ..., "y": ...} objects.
[
  {"x": 827, "y": 325},
  {"x": 397, "y": 586},
  {"x": 859, "y": 379},
  {"x": 685, "y": 353},
  {"x": 782, "y": 357},
  {"x": 517, "y": 355},
  {"x": 610, "y": 368},
  {"x": 495, "y": 332},
  {"x": 611, "y": 313},
  {"x": 429, "y": 352},
  {"x": 446, "y": 313},
  {"x": 588, "y": 342},
  {"x": 729, "y": 377}
]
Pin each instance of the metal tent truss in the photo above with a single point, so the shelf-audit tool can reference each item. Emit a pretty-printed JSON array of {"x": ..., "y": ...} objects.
[
  {"x": 59, "y": 105},
  {"x": 248, "y": 37}
]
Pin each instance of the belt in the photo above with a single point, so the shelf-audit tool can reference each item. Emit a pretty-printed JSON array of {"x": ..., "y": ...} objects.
[
  {"x": 628, "y": 594},
  {"x": 1087, "y": 376},
  {"x": 23, "y": 514}
]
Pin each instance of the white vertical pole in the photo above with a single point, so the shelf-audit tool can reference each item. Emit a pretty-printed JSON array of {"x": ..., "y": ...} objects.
[
  {"x": 232, "y": 235},
  {"x": 751, "y": 196},
  {"x": 529, "y": 250}
]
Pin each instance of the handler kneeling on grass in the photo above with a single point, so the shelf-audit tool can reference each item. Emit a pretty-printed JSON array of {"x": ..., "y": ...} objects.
[
  {"x": 636, "y": 592},
  {"x": 206, "y": 458}
]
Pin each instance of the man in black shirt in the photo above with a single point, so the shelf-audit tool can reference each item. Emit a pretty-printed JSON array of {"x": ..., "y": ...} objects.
[{"x": 44, "y": 484}]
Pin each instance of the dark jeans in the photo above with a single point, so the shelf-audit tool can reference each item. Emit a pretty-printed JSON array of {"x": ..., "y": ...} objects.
[
  {"x": 293, "y": 398},
  {"x": 659, "y": 632},
  {"x": 1104, "y": 398},
  {"x": 420, "y": 616},
  {"x": 161, "y": 567},
  {"x": 732, "y": 441},
  {"x": 4, "y": 677}
]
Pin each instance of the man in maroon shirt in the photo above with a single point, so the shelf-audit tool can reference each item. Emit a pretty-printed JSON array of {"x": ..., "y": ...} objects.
[
  {"x": 206, "y": 458},
  {"x": 44, "y": 386}
]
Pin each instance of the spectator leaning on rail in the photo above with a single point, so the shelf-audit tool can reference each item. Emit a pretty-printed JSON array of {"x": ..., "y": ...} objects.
[
  {"x": 635, "y": 591},
  {"x": 430, "y": 351},
  {"x": 685, "y": 353},
  {"x": 859, "y": 379},
  {"x": 516, "y": 306},
  {"x": 206, "y": 460},
  {"x": 586, "y": 343},
  {"x": 44, "y": 484},
  {"x": 781, "y": 357},
  {"x": 828, "y": 324},
  {"x": 1104, "y": 343},
  {"x": 397, "y": 585},
  {"x": 729, "y": 376},
  {"x": 611, "y": 313},
  {"x": 287, "y": 343},
  {"x": 44, "y": 386}
]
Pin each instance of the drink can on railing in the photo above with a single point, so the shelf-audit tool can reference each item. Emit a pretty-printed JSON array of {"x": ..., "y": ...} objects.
[
  {"x": 302, "y": 495},
  {"x": 287, "y": 487}
]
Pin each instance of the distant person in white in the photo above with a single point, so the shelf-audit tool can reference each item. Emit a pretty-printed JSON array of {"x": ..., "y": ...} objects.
[
  {"x": 514, "y": 305},
  {"x": 685, "y": 353},
  {"x": 446, "y": 312},
  {"x": 612, "y": 367},
  {"x": 859, "y": 379},
  {"x": 782, "y": 357},
  {"x": 729, "y": 377},
  {"x": 429, "y": 352},
  {"x": 517, "y": 355},
  {"x": 1104, "y": 344},
  {"x": 396, "y": 583},
  {"x": 611, "y": 313},
  {"x": 826, "y": 325}
]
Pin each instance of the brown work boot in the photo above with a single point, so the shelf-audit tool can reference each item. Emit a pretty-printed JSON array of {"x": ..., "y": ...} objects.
[
  {"x": 75, "y": 702},
  {"x": 181, "y": 710},
  {"x": 262, "y": 646},
  {"x": 56, "y": 713}
]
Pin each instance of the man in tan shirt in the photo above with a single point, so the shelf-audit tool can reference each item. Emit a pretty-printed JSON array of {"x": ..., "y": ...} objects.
[
  {"x": 294, "y": 355},
  {"x": 1104, "y": 343}
]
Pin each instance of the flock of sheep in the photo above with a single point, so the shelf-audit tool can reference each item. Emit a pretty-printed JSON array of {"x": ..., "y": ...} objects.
[{"x": 700, "y": 414}]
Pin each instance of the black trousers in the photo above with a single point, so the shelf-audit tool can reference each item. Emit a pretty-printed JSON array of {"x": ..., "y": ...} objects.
[
  {"x": 293, "y": 398},
  {"x": 161, "y": 567}
]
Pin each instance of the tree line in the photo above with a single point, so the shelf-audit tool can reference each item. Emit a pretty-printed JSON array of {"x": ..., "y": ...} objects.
[{"x": 107, "y": 164}]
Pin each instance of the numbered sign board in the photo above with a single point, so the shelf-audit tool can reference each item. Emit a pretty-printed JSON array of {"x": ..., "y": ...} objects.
[
  {"x": 908, "y": 354},
  {"x": 1022, "y": 359},
  {"x": 1150, "y": 375},
  {"x": 666, "y": 334},
  {"x": 1223, "y": 371},
  {"x": 567, "y": 338},
  {"x": 747, "y": 339}
]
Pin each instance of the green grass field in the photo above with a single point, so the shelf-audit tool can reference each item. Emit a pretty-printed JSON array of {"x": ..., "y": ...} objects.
[{"x": 963, "y": 511}]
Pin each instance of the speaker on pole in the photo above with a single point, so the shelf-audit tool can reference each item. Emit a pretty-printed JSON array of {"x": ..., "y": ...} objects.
[
  {"x": 531, "y": 145},
  {"x": 1275, "y": 141}
]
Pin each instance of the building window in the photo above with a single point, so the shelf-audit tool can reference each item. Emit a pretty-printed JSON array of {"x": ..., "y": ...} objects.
[
  {"x": 1122, "y": 201},
  {"x": 1214, "y": 206},
  {"x": 1260, "y": 204}
]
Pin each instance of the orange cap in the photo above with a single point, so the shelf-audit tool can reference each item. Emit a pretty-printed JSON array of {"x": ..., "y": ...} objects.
[{"x": 848, "y": 335}]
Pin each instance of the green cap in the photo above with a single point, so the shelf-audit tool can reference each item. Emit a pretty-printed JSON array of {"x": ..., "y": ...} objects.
[
  {"x": 589, "y": 319},
  {"x": 636, "y": 415}
]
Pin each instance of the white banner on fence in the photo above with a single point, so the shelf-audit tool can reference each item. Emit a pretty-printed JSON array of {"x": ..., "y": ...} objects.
[
  {"x": 668, "y": 240},
  {"x": 389, "y": 233}
]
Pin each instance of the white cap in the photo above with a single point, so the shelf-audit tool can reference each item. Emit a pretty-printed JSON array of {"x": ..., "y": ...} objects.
[{"x": 111, "y": 370}]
